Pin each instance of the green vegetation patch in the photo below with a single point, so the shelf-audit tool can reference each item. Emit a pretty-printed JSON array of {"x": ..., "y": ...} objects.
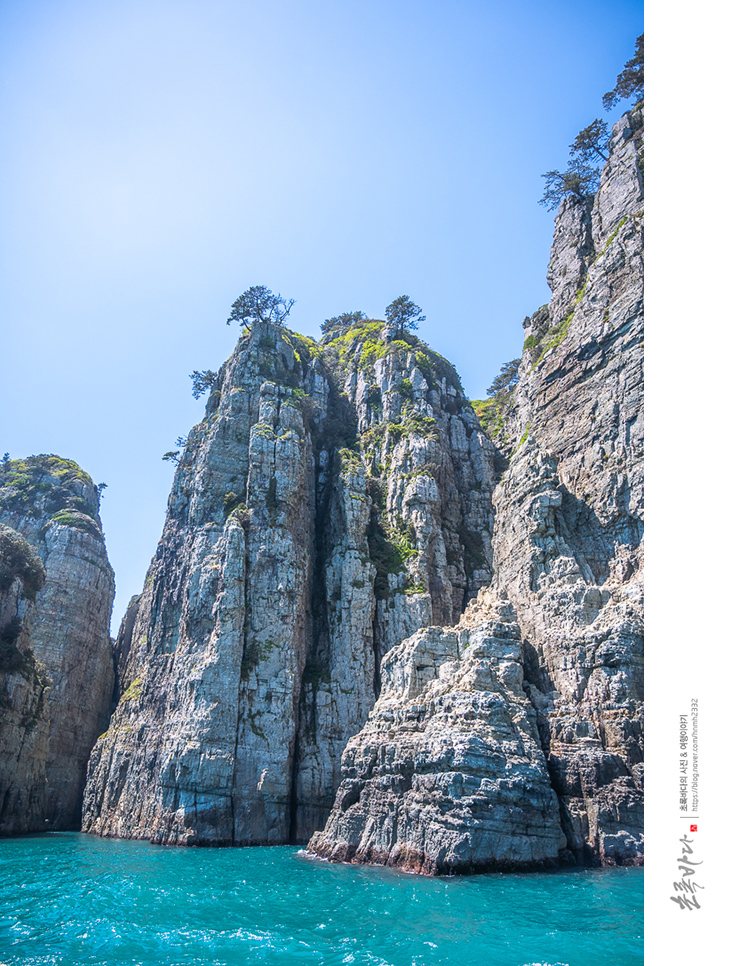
[
  {"x": 79, "y": 521},
  {"x": 491, "y": 414},
  {"x": 545, "y": 339},
  {"x": 234, "y": 503},
  {"x": 375, "y": 397},
  {"x": 252, "y": 715},
  {"x": 393, "y": 431},
  {"x": 306, "y": 347},
  {"x": 402, "y": 535},
  {"x": 417, "y": 425},
  {"x": 554, "y": 336},
  {"x": 369, "y": 355},
  {"x": 441, "y": 367},
  {"x": 375, "y": 436},
  {"x": 19, "y": 559},
  {"x": 300, "y": 400},
  {"x": 349, "y": 461},
  {"x": 391, "y": 546},
  {"x": 254, "y": 653},
  {"x": 133, "y": 692},
  {"x": 492, "y": 411},
  {"x": 612, "y": 236},
  {"x": 44, "y": 484},
  {"x": 263, "y": 429},
  {"x": 358, "y": 348}
]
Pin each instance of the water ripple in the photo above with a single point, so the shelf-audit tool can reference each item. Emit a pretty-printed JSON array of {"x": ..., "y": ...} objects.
[{"x": 68, "y": 900}]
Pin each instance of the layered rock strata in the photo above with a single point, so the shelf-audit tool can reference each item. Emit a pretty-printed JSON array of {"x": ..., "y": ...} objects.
[
  {"x": 54, "y": 505},
  {"x": 568, "y": 557},
  {"x": 335, "y": 498},
  {"x": 448, "y": 775},
  {"x": 569, "y": 510}
]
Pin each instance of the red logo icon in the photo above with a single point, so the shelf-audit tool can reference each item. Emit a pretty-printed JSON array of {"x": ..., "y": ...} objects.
[{"x": 693, "y": 828}]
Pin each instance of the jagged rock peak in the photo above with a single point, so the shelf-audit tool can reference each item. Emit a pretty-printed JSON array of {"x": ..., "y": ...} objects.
[{"x": 335, "y": 498}]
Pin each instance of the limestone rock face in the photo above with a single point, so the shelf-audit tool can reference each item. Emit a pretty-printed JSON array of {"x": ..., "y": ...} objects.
[
  {"x": 456, "y": 769},
  {"x": 448, "y": 775},
  {"x": 54, "y": 505},
  {"x": 335, "y": 498}
]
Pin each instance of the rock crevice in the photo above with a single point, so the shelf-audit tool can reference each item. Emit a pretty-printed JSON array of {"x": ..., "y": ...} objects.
[
  {"x": 553, "y": 724},
  {"x": 336, "y": 498}
]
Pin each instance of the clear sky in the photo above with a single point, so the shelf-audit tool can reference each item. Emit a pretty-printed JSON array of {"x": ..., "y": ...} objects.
[{"x": 159, "y": 157}]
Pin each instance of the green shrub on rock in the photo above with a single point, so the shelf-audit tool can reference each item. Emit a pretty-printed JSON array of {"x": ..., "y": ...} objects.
[{"x": 19, "y": 559}]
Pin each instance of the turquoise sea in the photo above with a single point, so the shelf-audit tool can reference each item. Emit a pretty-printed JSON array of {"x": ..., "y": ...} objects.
[{"x": 73, "y": 899}]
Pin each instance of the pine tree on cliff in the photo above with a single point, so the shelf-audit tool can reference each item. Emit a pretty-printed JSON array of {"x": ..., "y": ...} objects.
[
  {"x": 590, "y": 146},
  {"x": 591, "y": 142},
  {"x": 402, "y": 314},
  {"x": 259, "y": 304},
  {"x": 203, "y": 381},
  {"x": 630, "y": 82}
]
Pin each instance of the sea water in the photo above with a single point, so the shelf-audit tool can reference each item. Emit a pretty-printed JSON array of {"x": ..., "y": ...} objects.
[{"x": 74, "y": 899}]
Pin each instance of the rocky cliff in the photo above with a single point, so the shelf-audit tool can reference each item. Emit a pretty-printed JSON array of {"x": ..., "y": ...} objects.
[
  {"x": 335, "y": 499},
  {"x": 331, "y": 518},
  {"x": 456, "y": 769},
  {"x": 56, "y": 640},
  {"x": 24, "y": 719}
]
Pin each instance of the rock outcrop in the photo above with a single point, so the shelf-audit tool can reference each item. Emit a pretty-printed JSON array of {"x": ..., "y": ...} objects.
[
  {"x": 336, "y": 498},
  {"x": 54, "y": 506},
  {"x": 567, "y": 557},
  {"x": 448, "y": 775}
]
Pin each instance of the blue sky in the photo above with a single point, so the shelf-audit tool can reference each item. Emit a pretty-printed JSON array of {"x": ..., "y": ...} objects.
[{"x": 158, "y": 158}]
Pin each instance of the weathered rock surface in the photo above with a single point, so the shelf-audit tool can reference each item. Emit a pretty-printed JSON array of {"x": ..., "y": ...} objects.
[
  {"x": 336, "y": 498},
  {"x": 54, "y": 505},
  {"x": 568, "y": 545},
  {"x": 448, "y": 775},
  {"x": 23, "y": 690},
  {"x": 567, "y": 555}
]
